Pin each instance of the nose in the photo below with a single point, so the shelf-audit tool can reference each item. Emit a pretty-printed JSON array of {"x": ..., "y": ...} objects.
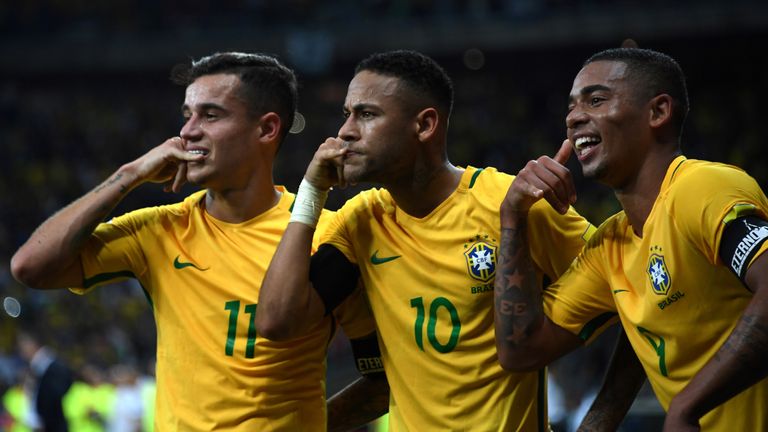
[
  {"x": 575, "y": 117},
  {"x": 349, "y": 130},
  {"x": 191, "y": 129}
]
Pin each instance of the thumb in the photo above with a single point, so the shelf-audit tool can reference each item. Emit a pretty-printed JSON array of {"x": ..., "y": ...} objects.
[
  {"x": 564, "y": 153},
  {"x": 186, "y": 156}
]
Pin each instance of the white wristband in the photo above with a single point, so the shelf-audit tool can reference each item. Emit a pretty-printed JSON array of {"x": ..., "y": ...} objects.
[{"x": 308, "y": 204}]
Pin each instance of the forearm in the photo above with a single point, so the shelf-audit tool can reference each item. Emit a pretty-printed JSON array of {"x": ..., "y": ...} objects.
[
  {"x": 359, "y": 403},
  {"x": 47, "y": 257},
  {"x": 517, "y": 296},
  {"x": 623, "y": 380},
  {"x": 288, "y": 304},
  {"x": 737, "y": 365}
]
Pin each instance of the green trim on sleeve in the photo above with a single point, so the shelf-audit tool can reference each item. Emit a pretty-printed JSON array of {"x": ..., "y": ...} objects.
[
  {"x": 474, "y": 177},
  {"x": 104, "y": 277},
  {"x": 597, "y": 322}
]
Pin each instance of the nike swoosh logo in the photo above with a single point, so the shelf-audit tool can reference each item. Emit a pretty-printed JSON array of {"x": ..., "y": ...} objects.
[
  {"x": 619, "y": 291},
  {"x": 180, "y": 265},
  {"x": 376, "y": 260}
]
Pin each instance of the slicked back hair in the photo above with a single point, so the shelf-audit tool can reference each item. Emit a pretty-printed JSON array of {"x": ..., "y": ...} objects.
[
  {"x": 419, "y": 73},
  {"x": 653, "y": 73},
  {"x": 266, "y": 85}
]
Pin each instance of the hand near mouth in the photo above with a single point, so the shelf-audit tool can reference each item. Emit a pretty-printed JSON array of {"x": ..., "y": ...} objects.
[
  {"x": 327, "y": 166},
  {"x": 166, "y": 163},
  {"x": 546, "y": 178}
]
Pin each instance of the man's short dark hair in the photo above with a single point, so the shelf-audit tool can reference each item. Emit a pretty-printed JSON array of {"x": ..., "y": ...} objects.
[
  {"x": 266, "y": 84},
  {"x": 418, "y": 72},
  {"x": 653, "y": 73}
]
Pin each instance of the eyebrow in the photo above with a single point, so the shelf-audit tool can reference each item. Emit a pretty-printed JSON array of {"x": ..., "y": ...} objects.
[
  {"x": 203, "y": 107},
  {"x": 588, "y": 90},
  {"x": 362, "y": 106}
]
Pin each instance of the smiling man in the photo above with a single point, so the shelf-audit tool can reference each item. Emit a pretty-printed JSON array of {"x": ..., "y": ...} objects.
[
  {"x": 201, "y": 261},
  {"x": 682, "y": 265}
]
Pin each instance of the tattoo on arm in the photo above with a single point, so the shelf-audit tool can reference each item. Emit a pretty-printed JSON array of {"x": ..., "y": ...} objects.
[
  {"x": 110, "y": 182},
  {"x": 748, "y": 343},
  {"x": 517, "y": 294}
]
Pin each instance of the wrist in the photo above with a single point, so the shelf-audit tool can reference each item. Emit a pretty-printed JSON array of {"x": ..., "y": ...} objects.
[
  {"x": 308, "y": 204},
  {"x": 128, "y": 177},
  {"x": 511, "y": 217}
]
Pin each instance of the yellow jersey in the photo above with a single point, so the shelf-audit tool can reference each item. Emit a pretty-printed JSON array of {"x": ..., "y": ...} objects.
[
  {"x": 202, "y": 277},
  {"x": 677, "y": 302},
  {"x": 430, "y": 285}
]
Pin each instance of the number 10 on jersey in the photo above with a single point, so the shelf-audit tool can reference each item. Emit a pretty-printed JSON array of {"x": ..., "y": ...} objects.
[{"x": 434, "y": 307}]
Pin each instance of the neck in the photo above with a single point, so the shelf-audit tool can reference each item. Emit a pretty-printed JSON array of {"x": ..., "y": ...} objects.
[
  {"x": 639, "y": 194},
  {"x": 425, "y": 189},
  {"x": 242, "y": 204}
]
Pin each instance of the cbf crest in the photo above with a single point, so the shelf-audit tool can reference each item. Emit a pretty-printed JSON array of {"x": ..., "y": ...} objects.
[
  {"x": 658, "y": 273},
  {"x": 481, "y": 259}
]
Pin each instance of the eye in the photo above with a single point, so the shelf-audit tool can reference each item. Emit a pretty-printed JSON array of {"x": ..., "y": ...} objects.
[
  {"x": 345, "y": 114},
  {"x": 211, "y": 116},
  {"x": 595, "y": 100},
  {"x": 367, "y": 114}
]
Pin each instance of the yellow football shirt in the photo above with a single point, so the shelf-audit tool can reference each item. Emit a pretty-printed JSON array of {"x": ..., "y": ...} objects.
[
  {"x": 675, "y": 298},
  {"x": 202, "y": 277},
  {"x": 430, "y": 284}
]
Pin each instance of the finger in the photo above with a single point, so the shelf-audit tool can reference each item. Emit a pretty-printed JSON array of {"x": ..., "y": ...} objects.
[
  {"x": 564, "y": 153},
  {"x": 185, "y": 155},
  {"x": 180, "y": 178},
  {"x": 554, "y": 178},
  {"x": 565, "y": 185},
  {"x": 548, "y": 194}
]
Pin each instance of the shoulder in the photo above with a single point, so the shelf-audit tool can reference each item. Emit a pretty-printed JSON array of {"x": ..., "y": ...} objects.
[
  {"x": 158, "y": 214},
  {"x": 699, "y": 176},
  {"x": 373, "y": 200},
  {"x": 488, "y": 178}
]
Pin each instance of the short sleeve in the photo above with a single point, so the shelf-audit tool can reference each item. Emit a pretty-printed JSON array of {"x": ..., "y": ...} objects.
[
  {"x": 336, "y": 231},
  {"x": 556, "y": 239},
  {"x": 112, "y": 253},
  {"x": 705, "y": 197},
  {"x": 580, "y": 301},
  {"x": 354, "y": 315}
]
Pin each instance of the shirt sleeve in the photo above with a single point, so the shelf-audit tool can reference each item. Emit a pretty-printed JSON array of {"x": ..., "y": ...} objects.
[
  {"x": 705, "y": 199},
  {"x": 354, "y": 315},
  {"x": 556, "y": 239},
  {"x": 580, "y": 301},
  {"x": 112, "y": 253}
]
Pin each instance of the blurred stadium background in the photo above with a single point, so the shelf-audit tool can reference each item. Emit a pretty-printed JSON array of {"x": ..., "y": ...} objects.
[{"x": 84, "y": 88}]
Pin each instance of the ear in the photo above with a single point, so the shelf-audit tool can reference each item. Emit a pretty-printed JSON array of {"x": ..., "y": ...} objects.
[
  {"x": 661, "y": 110},
  {"x": 269, "y": 127},
  {"x": 426, "y": 123}
]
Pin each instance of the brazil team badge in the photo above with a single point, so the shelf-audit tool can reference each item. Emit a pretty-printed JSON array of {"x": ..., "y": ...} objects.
[
  {"x": 659, "y": 275},
  {"x": 481, "y": 260}
]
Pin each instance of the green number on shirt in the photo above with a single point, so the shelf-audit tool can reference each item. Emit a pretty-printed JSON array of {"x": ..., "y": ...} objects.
[
  {"x": 418, "y": 328},
  {"x": 658, "y": 345},
  {"x": 234, "y": 311}
]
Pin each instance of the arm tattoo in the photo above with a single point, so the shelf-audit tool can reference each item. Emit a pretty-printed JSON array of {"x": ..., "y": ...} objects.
[
  {"x": 110, "y": 182},
  {"x": 748, "y": 343},
  {"x": 517, "y": 294}
]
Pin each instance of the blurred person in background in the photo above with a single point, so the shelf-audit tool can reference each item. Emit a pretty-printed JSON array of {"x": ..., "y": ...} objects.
[
  {"x": 683, "y": 265},
  {"x": 89, "y": 402},
  {"x": 51, "y": 379},
  {"x": 201, "y": 261}
]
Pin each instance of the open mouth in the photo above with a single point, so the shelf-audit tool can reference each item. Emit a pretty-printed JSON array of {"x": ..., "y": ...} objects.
[
  {"x": 198, "y": 151},
  {"x": 585, "y": 144}
]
